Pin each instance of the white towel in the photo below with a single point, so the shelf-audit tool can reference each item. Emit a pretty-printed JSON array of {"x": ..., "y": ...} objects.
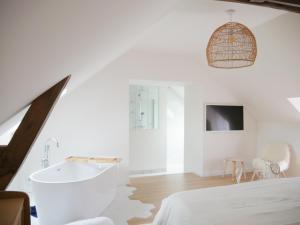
[{"x": 94, "y": 221}]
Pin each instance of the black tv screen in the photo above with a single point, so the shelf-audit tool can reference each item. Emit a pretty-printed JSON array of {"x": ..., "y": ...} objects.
[{"x": 224, "y": 117}]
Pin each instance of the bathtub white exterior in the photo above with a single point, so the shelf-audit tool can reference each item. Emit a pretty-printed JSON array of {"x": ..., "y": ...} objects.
[{"x": 71, "y": 191}]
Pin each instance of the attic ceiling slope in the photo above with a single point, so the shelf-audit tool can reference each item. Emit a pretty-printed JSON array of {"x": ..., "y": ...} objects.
[
  {"x": 264, "y": 87},
  {"x": 274, "y": 78},
  {"x": 42, "y": 41},
  {"x": 189, "y": 26}
]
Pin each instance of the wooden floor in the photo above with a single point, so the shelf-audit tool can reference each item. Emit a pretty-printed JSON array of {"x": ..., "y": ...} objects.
[{"x": 153, "y": 189}]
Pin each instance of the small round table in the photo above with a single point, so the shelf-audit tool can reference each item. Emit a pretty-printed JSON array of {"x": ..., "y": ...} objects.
[{"x": 236, "y": 162}]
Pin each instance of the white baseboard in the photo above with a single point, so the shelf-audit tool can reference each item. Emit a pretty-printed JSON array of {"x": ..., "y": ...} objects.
[
  {"x": 138, "y": 173},
  {"x": 143, "y": 172},
  {"x": 221, "y": 172}
]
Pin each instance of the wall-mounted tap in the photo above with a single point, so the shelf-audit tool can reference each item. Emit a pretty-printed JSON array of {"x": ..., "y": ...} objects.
[{"x": 45, "y": 159}]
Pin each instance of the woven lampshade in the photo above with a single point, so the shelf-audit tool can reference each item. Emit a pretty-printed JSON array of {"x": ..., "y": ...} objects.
[{"x": 232, "y": 45}]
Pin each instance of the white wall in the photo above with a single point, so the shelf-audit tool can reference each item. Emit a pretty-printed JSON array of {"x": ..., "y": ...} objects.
[
  {"x": 239, "y": 144},
  {"x": 205, "y": 151},
  {"x": 90, "y": 121},
  {"x": 193, "y": 130},
  {"x": 93, "y": 120},
  {"x": 272, "y": 132},
  {"x": 64, "y": 37},
  {"x": 147, "y": 151},
  {"x": 175, "y": 129}
]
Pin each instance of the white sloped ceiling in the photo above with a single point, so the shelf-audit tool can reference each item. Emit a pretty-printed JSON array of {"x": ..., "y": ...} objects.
[
  {"x": 263, "y": 87},
  {"x": 43, "y": 41}
]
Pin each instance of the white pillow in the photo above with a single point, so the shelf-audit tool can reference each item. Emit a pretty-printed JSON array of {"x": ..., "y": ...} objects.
[{"x": 93, "y": 221}]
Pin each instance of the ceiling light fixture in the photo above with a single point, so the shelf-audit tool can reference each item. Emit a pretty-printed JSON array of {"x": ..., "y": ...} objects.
[{"x": 232, "y": 45}]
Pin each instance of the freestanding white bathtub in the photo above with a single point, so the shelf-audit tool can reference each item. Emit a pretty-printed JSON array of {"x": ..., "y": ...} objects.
[{"x": 70, "y": 191}]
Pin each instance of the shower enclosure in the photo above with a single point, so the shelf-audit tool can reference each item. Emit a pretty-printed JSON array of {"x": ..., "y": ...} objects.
[{"x": 144, "y": 107}]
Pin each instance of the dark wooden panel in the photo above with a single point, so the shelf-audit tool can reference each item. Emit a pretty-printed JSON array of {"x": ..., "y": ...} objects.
[
  {"x": 12, "y": 155},
  {"x": 289, "y": 5}
]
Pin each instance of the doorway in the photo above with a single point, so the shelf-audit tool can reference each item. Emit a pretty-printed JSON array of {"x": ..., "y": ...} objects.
[{"x": 156, "y": 117}]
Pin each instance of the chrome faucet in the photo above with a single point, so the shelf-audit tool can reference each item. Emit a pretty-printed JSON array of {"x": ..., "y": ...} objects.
[{"x": 45, "y": 159}]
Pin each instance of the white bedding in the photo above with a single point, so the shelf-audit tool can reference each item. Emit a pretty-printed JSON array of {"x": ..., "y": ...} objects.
[{"x": 268, "y": 202}]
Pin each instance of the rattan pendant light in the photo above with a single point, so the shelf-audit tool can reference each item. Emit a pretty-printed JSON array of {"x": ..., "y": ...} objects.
[{"x": 232, "y": 45}]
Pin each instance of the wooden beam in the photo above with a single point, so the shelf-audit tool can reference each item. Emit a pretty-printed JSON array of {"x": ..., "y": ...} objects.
[
  {"x": 12, "y": 155},
  {"x": 291, "y": 6}
]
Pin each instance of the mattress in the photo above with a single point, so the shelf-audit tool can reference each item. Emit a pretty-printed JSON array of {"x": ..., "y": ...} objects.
[{"x": 267, "y": 202}]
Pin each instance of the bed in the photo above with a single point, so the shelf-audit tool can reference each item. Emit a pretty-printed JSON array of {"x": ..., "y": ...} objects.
[{"x": 267, "y": 202}]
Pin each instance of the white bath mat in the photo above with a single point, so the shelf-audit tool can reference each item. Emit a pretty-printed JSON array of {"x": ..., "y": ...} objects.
[{"x": 122, "y": 208}]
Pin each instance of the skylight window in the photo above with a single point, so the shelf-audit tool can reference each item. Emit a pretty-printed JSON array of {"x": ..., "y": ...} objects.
[
  {"x": 7, "y": 135},
  {"x": 295, "y": 102},
  {"x": 8, "y": 128},
  {"x": 64, "y": 92}
]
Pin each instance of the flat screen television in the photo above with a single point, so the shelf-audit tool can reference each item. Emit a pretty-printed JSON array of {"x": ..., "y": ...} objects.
[{"x": 224, "y": 118}]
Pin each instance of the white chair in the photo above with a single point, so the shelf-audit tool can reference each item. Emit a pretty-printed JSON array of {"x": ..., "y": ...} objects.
[{"x": 273, "y": 153}]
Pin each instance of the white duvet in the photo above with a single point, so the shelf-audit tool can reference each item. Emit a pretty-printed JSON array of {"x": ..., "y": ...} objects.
[{"x": 268, "y": 202}]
